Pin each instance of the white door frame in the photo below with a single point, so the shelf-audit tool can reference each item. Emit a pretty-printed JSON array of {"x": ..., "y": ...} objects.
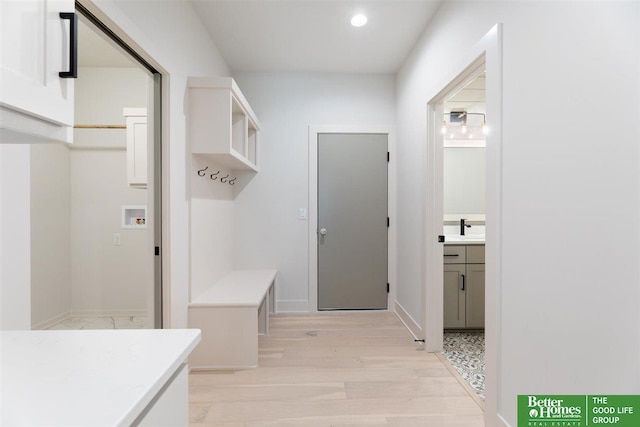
[
  {"x": 313, "y": 205},
  {"x": 486, "y": 53},
  {"x": 155, "y": 302}
]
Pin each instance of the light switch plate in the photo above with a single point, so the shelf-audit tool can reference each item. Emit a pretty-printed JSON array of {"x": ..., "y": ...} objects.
[{"x": 302, "y": 213}]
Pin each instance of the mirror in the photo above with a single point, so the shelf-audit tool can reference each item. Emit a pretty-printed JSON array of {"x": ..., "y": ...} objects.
[
  {"x": 464, "y": 152},
  {"x": 464, "y": 182}
]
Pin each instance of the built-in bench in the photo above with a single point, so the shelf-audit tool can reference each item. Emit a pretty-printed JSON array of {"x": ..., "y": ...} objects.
[{"x": 231, "y": 314}]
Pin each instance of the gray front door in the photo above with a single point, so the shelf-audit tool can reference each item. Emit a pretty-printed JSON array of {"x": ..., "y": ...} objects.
[{"x": 352, "y": 221}]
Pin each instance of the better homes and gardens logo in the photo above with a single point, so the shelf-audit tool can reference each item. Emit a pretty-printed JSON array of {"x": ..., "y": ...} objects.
[
  {"x": 578, "y": 410},
  {"x": 552, "y": 411}
]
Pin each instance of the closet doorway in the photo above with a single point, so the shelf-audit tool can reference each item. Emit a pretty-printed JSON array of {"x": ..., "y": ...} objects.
[{"x": 96, "y": 204}]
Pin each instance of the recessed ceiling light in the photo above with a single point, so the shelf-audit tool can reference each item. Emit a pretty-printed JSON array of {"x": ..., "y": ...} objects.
[{"x": 358, "y": 20}]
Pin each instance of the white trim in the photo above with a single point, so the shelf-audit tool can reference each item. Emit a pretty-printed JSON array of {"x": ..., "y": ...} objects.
[
  {"x": 501, "y": 422},
  {"x": 53, "y": 321},
  {"x": 313, "y": 205},
  {"x": 408, "y": 321},
  {"x": 109, "y": 13},
  {"x": 486, "y": 53},
  {"x": 108, "y": 313},
  {"x": 292, "y": 306},
  {"x": 88, "y": 314}
]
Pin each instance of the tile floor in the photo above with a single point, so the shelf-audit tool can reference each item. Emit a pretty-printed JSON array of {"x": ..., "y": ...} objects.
[
  {"x": 335, "y": 369},
  {"x": 465, "y": 352},
  {"x": 115, "y": 322}
]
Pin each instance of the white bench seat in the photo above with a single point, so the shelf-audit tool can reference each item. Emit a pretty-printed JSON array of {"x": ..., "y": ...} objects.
[{"x": 231, "y": 314}]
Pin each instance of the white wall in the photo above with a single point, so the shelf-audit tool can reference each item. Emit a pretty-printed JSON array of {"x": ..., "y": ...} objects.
[
  {"x": 212, "y": 217},
  {"x": 102, "y": 92},
  {"x": 15, "y": 230},
  {"x": 267, "y": 232},
  {"x": 569, "y": 296},
  {"x": 170, "y": 33},
  {"x": 50, "y": 233}
]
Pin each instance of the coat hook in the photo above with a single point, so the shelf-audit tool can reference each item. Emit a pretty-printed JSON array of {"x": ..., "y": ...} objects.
[
  {"x": 201, "y": 171},
  {"x": 232, "y": 181},
  {"x": 224, "y": 178},
  {"x": 213, "y": 177}
]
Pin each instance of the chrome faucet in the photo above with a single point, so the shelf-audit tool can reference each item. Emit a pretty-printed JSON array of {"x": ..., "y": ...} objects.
[{"x": 463, "y": 226}]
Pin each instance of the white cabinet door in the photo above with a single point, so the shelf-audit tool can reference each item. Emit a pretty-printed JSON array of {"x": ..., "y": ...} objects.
[
  {"x": 136, "y": 146},
  {"x": 35, "y": 47}
]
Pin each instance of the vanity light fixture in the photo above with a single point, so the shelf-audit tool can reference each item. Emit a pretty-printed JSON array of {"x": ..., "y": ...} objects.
[
  {"x": 358, "y": 20},
  {"x": 462, "y": 124}
]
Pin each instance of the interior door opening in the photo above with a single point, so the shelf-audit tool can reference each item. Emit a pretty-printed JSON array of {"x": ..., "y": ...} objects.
[
  {"x": 463, "y": 132},
  {"x": 486, "y": 55},
  {"x": 105, "y": 224}
]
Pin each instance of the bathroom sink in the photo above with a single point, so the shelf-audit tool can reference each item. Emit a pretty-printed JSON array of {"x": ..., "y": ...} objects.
[{"x": 466, "y": 238}]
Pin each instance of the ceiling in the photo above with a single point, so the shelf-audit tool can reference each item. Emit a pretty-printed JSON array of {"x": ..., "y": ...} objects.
[
  {"x": 470, "y": 98},
  {"x": 315, "y": 35}
]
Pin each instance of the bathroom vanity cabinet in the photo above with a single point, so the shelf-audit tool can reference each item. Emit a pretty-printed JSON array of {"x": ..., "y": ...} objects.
[{"x": 463, "y": 281}]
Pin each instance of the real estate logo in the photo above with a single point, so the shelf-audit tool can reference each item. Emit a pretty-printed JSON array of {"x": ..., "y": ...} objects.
[
  {"x": 553, "y": 410},
  {"x": 578, "y": 410}
]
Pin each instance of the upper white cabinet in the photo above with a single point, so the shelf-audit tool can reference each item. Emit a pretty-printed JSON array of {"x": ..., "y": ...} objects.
[
  {"x": 221, "y": 123},
  {"x": 136, "y": 146},
  {"x": 36, "y": 103}
]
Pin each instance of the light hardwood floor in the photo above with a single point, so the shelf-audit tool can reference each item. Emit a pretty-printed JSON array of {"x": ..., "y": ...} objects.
[{"x": 335, "y": 369}]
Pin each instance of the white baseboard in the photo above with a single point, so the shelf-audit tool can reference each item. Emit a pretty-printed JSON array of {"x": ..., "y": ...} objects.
[
  {"x": 409, "y": 322},
  {"x": 292, "y": 306},
  {"x": 53, "y": 321},
  {"x": 108, "y": 313},
  {"x": 502, "y": 422}
]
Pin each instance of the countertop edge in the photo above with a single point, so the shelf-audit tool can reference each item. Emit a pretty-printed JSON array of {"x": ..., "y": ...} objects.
[{"x": 153, "y": 390}]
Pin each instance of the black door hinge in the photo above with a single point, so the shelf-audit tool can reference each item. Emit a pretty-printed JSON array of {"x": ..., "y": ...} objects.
[
  {"x": 157, "y": 250},
  {"x": 387, "y": 288},
  {"x": 388, "y": 222},
  {"x": 388, "y": 157}
]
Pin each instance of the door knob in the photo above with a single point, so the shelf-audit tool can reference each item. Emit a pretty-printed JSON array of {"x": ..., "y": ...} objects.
[{"x": 323, "y": 231}]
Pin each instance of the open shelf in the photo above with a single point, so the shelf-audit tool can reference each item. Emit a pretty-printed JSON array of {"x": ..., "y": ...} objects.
[{"x": 222, "y": 125}]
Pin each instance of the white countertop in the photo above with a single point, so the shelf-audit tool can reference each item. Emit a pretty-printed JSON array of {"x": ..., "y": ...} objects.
[
  {"x": 464, "y": 240},
  {"x": 86, "y": 378}
]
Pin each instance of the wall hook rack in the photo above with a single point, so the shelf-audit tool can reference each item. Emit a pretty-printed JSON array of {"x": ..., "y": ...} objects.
[{"x": 213, "y": 176}]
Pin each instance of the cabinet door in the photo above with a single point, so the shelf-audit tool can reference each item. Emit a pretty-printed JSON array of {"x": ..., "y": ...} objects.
[
  {"x": 454, "y": 296},
  {"x": 35, "y": 48},
  {"x": 475, "y": 296},
  {"x": 137, "y": 151}
]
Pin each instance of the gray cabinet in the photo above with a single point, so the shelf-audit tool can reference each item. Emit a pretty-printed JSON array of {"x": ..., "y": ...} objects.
[{"x": 463, "y": 283}]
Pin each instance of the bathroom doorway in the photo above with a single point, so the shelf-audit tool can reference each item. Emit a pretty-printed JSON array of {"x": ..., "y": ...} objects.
[
  {"x": 96, "y": 210},
  {"x": 485, "y": 56},
  {"x": 464, "y": 128}
]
